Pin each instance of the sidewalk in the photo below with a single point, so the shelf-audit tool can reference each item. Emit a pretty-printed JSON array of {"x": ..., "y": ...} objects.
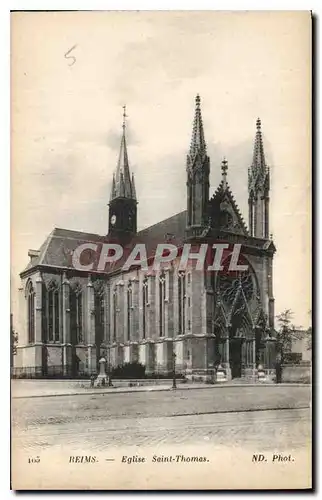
[{"x": 37, "y": 392}]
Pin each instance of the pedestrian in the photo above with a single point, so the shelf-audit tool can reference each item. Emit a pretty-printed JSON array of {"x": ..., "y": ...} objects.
[
  {"x": 278, "y": 369},
  {"x": 92, "y": 380}
]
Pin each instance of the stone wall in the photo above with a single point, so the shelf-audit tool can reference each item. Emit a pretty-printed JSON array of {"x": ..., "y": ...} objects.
[{"x": 296, "y": 373}]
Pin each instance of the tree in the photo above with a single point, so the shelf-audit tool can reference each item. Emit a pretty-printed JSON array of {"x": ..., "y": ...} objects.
[
  {"x": 309, "y": 334},
  {"x": 13, "y": 341},
  {"x": 287, "y": 333}
]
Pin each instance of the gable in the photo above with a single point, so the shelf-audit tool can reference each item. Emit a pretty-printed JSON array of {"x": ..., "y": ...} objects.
[{"x": 224, "y": 212}]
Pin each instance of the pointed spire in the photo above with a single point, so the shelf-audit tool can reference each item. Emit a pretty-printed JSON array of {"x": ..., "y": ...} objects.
[
  {"x": 122, "y": 186},
  {"x": 224, "y": 169},
  {"x": 259, "y": 155},
  {"x": 198, "y": 143},
  {"x": 258, "y": 173},
  {"x": 258, "y": 189}
]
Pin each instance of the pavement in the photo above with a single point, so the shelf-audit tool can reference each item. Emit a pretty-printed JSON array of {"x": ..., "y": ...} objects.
[
  {"x": 33, "y": 413},
  {"x": 33, "y": 389},
  {"x": 226, "y": 442},
  {"x": 226, "y": 427}
]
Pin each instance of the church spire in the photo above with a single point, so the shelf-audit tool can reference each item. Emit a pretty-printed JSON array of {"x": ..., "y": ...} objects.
[
  {"x": 198, "y": 168},
  {"x": 258, "y": 178},
  {"x": 198, "y": 143},
  {"x": 122, "y": 185},
  {"x": 122, "y": 206},
  {"x": 258, "y": 188},
  {"x": 259, "y": 163}
]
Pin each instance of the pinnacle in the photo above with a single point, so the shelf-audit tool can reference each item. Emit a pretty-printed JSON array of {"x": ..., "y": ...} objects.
[
  {"x": 198, "y": 143},
  {"x": 258, "y": 172}
]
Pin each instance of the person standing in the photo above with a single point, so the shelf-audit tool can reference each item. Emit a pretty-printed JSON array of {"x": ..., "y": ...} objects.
[{"x": 278, "y": 368}]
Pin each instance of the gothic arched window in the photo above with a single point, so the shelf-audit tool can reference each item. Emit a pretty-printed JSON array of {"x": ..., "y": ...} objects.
[
  {"x": 182, "y": 302},
  {"x": 99, "y": 315},
  {"x": 145, "y": 300},
  {"x": 162, "y": 296},
  {"x": 129, "y": 310},
  {"x": 53, "y": 313},
  {"x": 31, "y": 313},
  {"x": 114, "y": 313},
  {"x": 76, "y": 308},
  {"x": 79, "y": 316}
]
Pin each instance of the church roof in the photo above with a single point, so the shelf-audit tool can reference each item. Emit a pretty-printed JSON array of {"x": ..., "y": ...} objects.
[{"x": 59, "y": 246}]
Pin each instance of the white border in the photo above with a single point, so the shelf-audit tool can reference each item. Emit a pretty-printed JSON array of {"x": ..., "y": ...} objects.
[{"x": 5, "y": 7}]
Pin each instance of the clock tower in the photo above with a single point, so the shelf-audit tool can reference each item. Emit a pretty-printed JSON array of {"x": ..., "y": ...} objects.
[{"x": 123, "y": 203}]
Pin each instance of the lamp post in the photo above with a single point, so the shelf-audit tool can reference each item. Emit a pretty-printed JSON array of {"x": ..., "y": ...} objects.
[
  {"x": 109, "y": 372},
  {"x": 174, "y": 382}
]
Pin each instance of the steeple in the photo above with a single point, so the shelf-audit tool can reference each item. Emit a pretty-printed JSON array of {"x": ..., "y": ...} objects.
[
  {"x": 198, "y": 167},
  {"x": 198, "y": 143},
  {"x": 258, "y": 188},
  {"x": 122, "y": 184},
  {"x": 123, "y": 212},
  {"x": 258, "y": 174},
  {"x": 259, "y": 156}
]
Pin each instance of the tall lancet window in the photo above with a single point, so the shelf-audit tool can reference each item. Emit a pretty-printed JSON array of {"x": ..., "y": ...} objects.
[
  {"x": 31, "y": 313},
  {"x": 76, "y": 311},
  {"x": 129, "y": 311},
  {"x": 114, "y": 314},
  {"x": 181, "y": 302},
  {"x": 99, "y": 315},
  {"x": 162, "y": 295},
  {"x": 53, "y": 312},
  {"x": 145, "y": 300},
  {"x": 79, "y": 316}
]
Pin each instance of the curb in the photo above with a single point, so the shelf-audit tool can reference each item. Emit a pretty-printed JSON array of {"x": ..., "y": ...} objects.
[{"x": 127, "y": 390}]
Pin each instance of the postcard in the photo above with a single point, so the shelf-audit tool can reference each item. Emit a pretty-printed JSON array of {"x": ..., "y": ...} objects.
[{"x": 161, "y": 250}]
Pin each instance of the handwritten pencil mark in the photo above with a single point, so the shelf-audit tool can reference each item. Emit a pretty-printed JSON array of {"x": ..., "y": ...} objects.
[{"x": 67, "y": 56}]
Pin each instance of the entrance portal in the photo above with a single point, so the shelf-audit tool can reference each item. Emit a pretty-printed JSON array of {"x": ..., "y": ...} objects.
[{"x": 235, "y": 357}]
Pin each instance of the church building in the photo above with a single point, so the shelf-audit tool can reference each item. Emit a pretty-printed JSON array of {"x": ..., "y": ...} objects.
[{"x": 198, "y": 320}]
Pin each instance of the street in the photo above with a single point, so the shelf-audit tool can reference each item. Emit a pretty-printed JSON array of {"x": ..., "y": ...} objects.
[
  {"x": 196, "y": 438},
  {"x": 236, "y": 415}
]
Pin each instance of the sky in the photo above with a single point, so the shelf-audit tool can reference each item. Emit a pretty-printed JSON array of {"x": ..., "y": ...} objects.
[{"x": 66, "y": 118}]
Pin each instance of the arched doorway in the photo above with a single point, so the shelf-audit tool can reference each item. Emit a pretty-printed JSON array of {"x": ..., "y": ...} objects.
[{"x": 240, "y": 333}]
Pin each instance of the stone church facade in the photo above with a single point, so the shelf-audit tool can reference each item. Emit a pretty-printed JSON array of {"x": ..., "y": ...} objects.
[{"x": 70, "y": 317}]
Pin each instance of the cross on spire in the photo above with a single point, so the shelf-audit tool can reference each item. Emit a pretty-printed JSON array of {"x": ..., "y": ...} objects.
[
  {"x": 258, "y": 124},
  {"x": 224, "y": 169},
  {"x": 124, "y": 116}
]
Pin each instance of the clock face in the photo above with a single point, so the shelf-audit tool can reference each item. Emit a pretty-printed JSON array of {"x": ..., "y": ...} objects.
[{"x": 113, "y": 219}]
